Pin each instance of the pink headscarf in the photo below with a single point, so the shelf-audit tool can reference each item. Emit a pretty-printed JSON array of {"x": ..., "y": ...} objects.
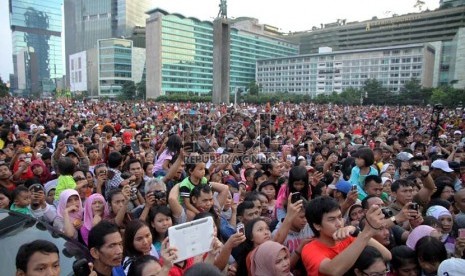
[
  {"x": 89, "y": 214},
  {"x": 264, "y": 257},
  {"x": 418, "y": 233},
  {"x": 63, "y": 200}
]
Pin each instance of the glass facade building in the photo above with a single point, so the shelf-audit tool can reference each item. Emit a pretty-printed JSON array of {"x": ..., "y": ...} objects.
[
  {"x": 329, "y": 72},
  {"x": 87, "y": 21},
  {"x": 37, "y": 45},
  {"x": 180, "y": 54},
  {"x": 114, "y": 66}
]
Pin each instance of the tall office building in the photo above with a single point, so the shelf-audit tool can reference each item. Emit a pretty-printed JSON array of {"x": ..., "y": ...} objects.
[
  {"x": 438, "y": 27},
  {"x": 37, "y": 54},
  {"x": 87, "y": 21},
  {"x": 328, "y": 71},
  {"x": 180, "y": 52}
]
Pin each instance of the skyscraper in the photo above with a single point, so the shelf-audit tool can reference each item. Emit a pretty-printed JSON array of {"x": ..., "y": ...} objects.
[
  {"x": 37, "y": 53},
  {"x": 87, "y": 21}
]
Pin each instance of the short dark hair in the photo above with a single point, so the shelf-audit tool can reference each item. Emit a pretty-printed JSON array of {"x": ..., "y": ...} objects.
[
  {"x": 66, "y": 166},
  {"x": 200, "y": 188},
  {"x": 316, "y": 208},
  {"x": 114, "y": 159},
  {"x": 19, "y": 190},
  {"x": 28, "y": 249},
  {"x": 374, "y": 178},
  {"x": 367, "y": 155},
  {"x": 401, "y": 256},
  {"x": 400, "y": 182},
  {"x": 98, "y": 233},
  {"x": 130, "y": 232},
  {"x": 137, "y": 266},
  {"x": 203, "y": 269},
  {"x": 442, "y": 182},
  {"x": 132, "y": 161},
  {"x": 245, "y": 205},
  {"x": 367, "y": 257},
  {"x": 430, "y": 249},
  {"x": 91, "y": 147},
  {"x": 365, "y": 201}
]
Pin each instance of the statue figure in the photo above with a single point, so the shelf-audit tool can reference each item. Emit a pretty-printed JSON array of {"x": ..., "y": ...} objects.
[{"x": 223, "y": 9}]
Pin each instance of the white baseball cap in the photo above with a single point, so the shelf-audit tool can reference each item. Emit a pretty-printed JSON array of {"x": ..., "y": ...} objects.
[{"x": 442, "y": 165}]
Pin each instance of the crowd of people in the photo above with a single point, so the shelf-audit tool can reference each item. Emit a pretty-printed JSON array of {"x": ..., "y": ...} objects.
[{"x": 292, "y": 189}]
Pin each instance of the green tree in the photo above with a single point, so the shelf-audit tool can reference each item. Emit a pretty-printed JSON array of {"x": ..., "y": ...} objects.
[
  {"x": 128, "y": 91},
  {"x": 253, "y": 88},
  {"x": 438, "y": 95},
  {"x": 374, "y": 92},
  {"x": 412, "y": 93},
  {"x": 350, "y": 96},
  {"x": 4, "y": 90},
  {"x": 141, "y": 90}
]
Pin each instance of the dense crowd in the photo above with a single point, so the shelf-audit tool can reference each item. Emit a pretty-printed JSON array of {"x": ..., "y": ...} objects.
[{"x": 292, "y": 189}]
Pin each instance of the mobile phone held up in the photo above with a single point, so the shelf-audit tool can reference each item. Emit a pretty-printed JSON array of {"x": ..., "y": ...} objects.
[
  {"x": 240, "y": 228},
  {"x": 236, "y": 197},
  {"x": 295, "y": 197}
]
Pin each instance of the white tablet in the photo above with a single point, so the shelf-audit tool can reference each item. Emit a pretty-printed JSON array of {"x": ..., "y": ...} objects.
[{"x": 191, "y": 238}]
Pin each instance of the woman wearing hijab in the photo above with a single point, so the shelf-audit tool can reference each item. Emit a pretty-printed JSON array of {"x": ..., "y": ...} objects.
[
  {"x": 420, "y": 232},
  {"x": 95, "y": 210},
  {"x": 40, "y": 171},
  {"x": 270, "y": 259},
  {"x": 69, "y": 213},
  {"x": 445, "y": 218}
]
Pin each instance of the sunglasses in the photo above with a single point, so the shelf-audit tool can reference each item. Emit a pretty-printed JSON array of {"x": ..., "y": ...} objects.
[{"x": 76, "y": 179}]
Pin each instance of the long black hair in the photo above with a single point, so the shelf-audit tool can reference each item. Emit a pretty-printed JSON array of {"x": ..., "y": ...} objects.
[
  {"x": 246, "y": 247},
  {"x": 298, "y": 173}
]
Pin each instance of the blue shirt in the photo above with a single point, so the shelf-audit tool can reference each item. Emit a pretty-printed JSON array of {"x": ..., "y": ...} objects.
[{"x": 357, "y": 179}]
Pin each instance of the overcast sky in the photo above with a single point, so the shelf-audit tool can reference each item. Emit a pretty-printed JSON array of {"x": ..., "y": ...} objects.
[{"x": 288, "y": 15}]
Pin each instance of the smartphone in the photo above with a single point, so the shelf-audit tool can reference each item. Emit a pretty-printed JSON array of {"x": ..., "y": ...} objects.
[
  {"x": 413, "y": 206},
  {"x": 236, "y": 197},
  {"x": 424, "y": 167},
  {"x": 81, "y": 268},
  {"x": 462, "y": 233},
  {"x": 68, "y": 142},
  {"x": 289, "y": 157},
  {"x": 240, "y": 228},
  {"x": 295, "y": 197},
  {"x": 337, "y": 167},
  {"x": 354, "y": 188},
  {"x": 135, "y": 147}
]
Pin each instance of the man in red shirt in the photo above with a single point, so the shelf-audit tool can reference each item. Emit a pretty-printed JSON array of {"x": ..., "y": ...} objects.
[{"x": 335, "y": 249}]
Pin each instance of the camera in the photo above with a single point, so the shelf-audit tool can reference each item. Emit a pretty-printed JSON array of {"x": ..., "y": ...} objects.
[
  {"x": 416, "y": 167},
  {"x": 387, "y": 212},
  {"x": 159, "y": 194}
]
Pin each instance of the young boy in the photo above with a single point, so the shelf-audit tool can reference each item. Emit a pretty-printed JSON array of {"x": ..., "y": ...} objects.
[
  {"x": 65, "y": 181},
  {"x": 21, "y": 200},
  {"x": 335, "y": 248}
]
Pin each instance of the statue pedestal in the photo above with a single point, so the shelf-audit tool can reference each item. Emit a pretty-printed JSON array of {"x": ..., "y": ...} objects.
[{"x": 221, "y": 58}]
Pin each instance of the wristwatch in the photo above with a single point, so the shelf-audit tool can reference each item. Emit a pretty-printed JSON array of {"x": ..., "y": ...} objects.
[{"x": 393, "y": 219}]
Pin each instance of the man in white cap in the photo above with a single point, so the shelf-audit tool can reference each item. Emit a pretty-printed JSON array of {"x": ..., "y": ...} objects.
[{"x": 439, "y": 168}]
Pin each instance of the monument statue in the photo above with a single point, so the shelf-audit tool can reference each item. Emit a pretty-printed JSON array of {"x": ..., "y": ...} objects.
[{"x": 223, "y": 9}]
